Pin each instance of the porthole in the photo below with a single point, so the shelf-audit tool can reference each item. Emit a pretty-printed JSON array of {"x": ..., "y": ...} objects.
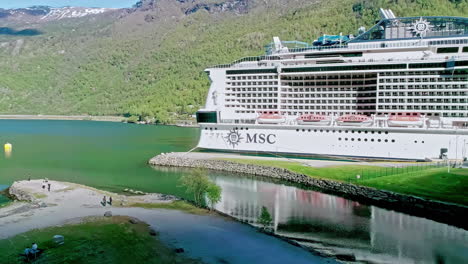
[
  {"x": 315, "y": 130},
  {"x": 346, "y": 139},
  {"x": 242, "y": 128},
  {"x": 216, "y": 128},
  {"x": 386, "y": 132},
  {"x": 359, "y": 131},
  {"x": 303, "y": 130},
  {"x": 378, "y": 140},
  {"x": 321, "y": 130},
  {"x": 333, "y": 131},
  {"x": 206, "y": 128},
  {"x": 328, "y": 130},
  {"x": 339, "y": 131},
  {"x": 415, "y": 141},
  {"x": 365, "y": 139},
  {"x": 386, "y": 140},
  {"x": 297, "y": 130},
  {"x": 358, "y": 139},
  {"x": 211, "y": 128},
  {"x": 352, "y": 131},
  {"x": 380, "y": 132},
  {"x": 352, "y": 139},
  {"x": 246, "y": 128},
  {"x": 422, "y": 141},
  {"x": 346, "y": 131},
  {"x": 372, "y": 140},
  {"x": 393, "y": 141},
  {"x": 339, "y": 138},
  {"x": 308, "y": 130},
  {"x": 365, "y": 132},
  {"x": 372, "y": 132}
]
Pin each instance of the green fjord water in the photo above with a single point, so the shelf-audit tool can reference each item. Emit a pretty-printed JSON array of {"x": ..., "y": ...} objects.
[
  {"x": 114, "y": 156},
  {"x": 106, "y": 155}
]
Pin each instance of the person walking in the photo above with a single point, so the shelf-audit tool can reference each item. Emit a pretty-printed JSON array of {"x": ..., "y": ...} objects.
[
  {"x": 48, "y": 186},
  {"x": 43, "y": 185},
  {"x": 110, "y": 200},
  {"x": 104, "y": 201}
]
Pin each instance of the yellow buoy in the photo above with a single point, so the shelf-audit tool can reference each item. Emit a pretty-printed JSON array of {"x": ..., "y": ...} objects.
[{"x": 8, "y": 147}]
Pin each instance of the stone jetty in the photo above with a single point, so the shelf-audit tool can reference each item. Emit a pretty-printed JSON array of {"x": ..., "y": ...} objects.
[{"x": 435, "y": 210}]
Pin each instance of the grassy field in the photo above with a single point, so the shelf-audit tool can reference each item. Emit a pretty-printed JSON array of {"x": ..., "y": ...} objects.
[
  {"x": 98, "y": 240},
  {"x": 175, "y": 205},
  {"x": 420, "y": 180}
]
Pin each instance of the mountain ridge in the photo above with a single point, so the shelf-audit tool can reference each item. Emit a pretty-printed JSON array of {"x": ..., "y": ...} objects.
[{"x": 149, "y": 60}]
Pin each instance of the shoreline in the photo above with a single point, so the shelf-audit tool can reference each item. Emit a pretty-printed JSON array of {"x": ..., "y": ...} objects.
[
  {"x": 439, "y": 211},
  {"x": 63, "y": 117},
  {"x": 37, "y": 208}
]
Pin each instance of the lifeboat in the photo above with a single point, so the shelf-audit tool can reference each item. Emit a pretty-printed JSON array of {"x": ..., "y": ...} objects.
[
  {"x": 354, "y": 120},
  {"x": 271, "y": 119},
  {"x": 407, "y": 120},
  {"x": 311, "y": 119}
]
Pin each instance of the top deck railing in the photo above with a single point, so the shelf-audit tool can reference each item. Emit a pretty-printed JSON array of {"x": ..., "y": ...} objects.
[{"x": 352, "y": 46}]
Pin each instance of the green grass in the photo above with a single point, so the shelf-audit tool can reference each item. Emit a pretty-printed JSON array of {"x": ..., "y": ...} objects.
[
  {"x": 99, "y": 240},
  {"x": 175, "y": 205},
  {"x": 433, "y": 183}
]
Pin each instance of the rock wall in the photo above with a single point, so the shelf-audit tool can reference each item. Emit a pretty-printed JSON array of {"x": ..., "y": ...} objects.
[{"x": 435, "y": 210}]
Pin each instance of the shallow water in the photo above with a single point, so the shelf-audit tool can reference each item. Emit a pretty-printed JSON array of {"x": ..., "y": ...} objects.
[{"x": 113, "y": 156}]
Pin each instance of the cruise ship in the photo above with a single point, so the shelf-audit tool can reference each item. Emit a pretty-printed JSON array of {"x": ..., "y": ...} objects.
[{"x": 398, "y": 90}]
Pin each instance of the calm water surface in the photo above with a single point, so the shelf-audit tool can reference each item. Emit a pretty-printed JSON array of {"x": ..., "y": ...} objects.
[{"x": 113, "y": 156}]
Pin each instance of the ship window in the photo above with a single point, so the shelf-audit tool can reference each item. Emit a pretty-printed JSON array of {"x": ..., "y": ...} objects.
[
  {"x": 297, "y": 130},
  {"x": 415, "y": 141},
  {"x": 386, "y": 140},
  {"x": 393, "y": 141},
  {"x": 365, "y": 139},
  {"x": 447, "y": 50},
  {"x": 346, "y": 139},
  {"x": 206, "y": 117},
  {"x": 465, "y": 49},
  {"x": 379, "y": 140},
  {"x": 358, "y": 139},
  {"x": 372, "y": 140},
  {"x": 339, "y": 138}
]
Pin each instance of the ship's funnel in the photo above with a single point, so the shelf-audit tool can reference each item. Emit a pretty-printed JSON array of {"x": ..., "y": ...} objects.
[
  {"x": 386, "y": 13},
  {"x": 278, "y": 45}
]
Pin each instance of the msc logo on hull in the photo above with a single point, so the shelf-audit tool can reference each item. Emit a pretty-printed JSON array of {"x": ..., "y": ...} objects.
[{"x": 233, "y": 137}]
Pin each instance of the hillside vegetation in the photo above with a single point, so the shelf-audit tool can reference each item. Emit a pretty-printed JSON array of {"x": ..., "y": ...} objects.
[{"x": 149, "y": 61}]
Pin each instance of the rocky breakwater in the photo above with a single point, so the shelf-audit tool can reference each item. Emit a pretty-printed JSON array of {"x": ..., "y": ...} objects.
[{"x": 440, "y": 211}]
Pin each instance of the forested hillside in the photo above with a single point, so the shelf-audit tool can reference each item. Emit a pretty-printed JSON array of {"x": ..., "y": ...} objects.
[{"x": 148, "y": 61}]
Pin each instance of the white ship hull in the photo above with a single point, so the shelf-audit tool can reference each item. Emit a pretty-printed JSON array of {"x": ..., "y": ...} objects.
[{"x": 357, "y": 142}]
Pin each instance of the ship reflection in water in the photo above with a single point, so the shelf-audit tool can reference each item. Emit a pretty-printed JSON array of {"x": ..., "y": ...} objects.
[{"x": 330, "y": 223}]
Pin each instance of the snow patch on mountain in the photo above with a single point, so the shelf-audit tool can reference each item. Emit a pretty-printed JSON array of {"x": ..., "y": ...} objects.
[{"x": 72, "y": 12}]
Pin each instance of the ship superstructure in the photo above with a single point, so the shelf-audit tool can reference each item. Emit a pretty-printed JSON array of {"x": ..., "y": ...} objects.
[{"x": 398, "y": 90}]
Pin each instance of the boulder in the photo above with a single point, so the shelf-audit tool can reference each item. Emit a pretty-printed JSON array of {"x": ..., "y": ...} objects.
[
  {"x": 133, "y": 221},
  {"x": 58, "y": 239},
  {"x": 108, "y": 214},
  {"x": 153, "y": 232},
  {"x": 346, "y": 257}
]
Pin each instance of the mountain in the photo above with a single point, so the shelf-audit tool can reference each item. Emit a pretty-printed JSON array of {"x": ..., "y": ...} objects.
[
  {"x": 42, "y": 14},
  {"x": 148, "y": 60}
]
